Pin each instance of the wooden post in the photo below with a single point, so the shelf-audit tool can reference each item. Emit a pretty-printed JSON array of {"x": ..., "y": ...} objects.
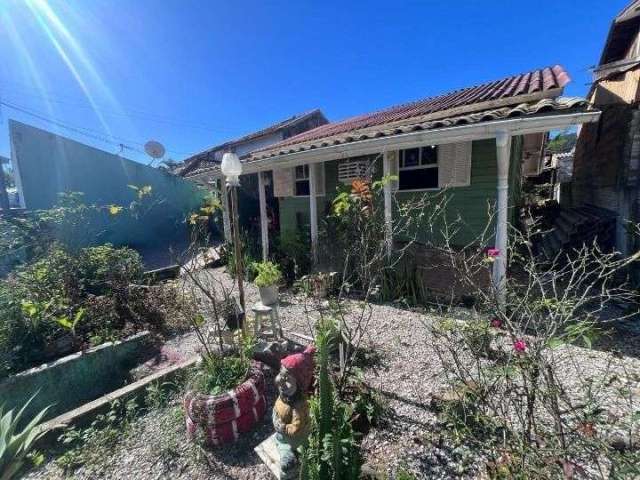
[
  {"x": 238, "y": 254},
  {"x": 264, "y": 221},
  {"x": 503, "y": 145},
  {"x": 313, "y": 211},
  {"x": 226, "y": 220},
  {"x": 387, "y": 170}
]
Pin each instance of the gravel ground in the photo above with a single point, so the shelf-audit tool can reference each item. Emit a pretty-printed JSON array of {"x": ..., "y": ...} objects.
[{"x": 407, "y": 375}]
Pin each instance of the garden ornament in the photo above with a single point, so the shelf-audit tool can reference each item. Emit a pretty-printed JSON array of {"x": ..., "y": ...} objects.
[{"x": 291, "y": 411}]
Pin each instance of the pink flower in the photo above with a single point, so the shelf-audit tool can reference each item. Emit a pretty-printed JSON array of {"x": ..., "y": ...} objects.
[
  {"x": 496, "y": 322},
  {"x": 493, "y": 252},
  {"x": 520, "y": 346}
]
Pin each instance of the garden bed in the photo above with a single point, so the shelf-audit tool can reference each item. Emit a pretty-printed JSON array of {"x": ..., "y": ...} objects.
[
  {"x": 406, "y": 373},
  {"x": 77, "y": 378}
]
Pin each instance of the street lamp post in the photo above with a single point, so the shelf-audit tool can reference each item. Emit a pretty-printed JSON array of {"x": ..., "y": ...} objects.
[{"x": 232, "y": 169}]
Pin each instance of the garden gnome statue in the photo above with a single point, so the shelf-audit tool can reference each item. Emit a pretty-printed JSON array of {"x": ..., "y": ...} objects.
[{"x": 291, "y": 411}]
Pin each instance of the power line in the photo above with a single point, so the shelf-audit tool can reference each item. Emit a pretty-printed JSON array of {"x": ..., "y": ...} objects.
[
  {"x": 127, "y": 111},
  {"x": 87, "y": 132},
  {"x": 79, "y": 130}
]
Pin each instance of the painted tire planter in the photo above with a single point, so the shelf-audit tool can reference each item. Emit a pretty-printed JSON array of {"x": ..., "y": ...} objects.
[{"x": 222, "y": 418}]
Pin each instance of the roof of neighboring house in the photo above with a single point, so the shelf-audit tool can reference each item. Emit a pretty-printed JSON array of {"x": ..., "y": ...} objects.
[
  {"x": 205, "y": 159},
  {"x": 525, "y": 94},
  {"x": 621, "y": 34}
]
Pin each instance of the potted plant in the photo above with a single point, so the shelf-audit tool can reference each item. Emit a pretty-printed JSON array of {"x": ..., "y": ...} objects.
[
  {"x": 226, "y": 396},
  {"x": 269, "y": 275}
]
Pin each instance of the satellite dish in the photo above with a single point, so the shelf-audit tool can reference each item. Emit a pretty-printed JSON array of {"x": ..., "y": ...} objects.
[{"x": 154, "y": 149}]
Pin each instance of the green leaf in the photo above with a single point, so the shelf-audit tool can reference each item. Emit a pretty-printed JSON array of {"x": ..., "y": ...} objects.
[
  {"x": 65, "y": 322},
  {"x": 199, "y": 320},
  {"x": 554, "y": 342}
]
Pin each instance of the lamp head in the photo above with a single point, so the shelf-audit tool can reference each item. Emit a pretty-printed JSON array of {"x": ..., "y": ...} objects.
[{"x": 231, "y": 168}]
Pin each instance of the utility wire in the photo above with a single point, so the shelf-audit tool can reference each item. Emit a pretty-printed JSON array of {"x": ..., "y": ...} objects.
[
  {"x": 127, "y": 111},
  {"x": 96, "y": 135},
  {"x": 87, "y": 132}
]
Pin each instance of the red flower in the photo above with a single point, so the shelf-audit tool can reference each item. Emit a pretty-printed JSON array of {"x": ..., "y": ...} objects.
[
  {"x": 496, "y": 322},
  {"x": 520, "y": 346}
]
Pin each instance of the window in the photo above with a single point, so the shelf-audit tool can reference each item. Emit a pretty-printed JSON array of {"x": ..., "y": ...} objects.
[
  {"x": 302, "y": 181},
  {"x": 418, "y": 168}
]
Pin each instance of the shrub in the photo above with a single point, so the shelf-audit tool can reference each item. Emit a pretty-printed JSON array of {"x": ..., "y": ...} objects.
[
  {"x": 219, "y": 373},
  {"x": 60, "y": 301},
  {"x": 268, "y": 274},
  {"x": 291, "y": 251}
]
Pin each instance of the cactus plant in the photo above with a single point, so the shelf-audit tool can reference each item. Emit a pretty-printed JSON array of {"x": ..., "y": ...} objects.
[{"x": 332, "y": 452}]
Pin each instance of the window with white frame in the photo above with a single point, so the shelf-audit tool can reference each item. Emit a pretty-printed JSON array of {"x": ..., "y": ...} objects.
[
  {"x": 301, "y": 180},
  {"x": 418, "y": 168}
]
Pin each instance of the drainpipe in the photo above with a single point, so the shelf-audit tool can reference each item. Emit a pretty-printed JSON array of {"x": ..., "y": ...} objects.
[{"x": 503, "y": 144}]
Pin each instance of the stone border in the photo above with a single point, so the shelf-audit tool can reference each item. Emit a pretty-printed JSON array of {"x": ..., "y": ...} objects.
[
  {"x": 84, "y": 414},
  {"x": 74, "y": 379}
]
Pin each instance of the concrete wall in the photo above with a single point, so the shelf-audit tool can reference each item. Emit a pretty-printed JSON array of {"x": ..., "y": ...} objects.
[
  {"x": 47, "y": 164},
  {"x": 74, "y": 379}
]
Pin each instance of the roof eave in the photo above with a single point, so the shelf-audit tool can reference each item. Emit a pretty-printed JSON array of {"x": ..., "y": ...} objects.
[{"x": 478, "y": 131}]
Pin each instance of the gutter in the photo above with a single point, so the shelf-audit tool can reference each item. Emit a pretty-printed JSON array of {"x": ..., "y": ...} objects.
[{"x": 480, "y": 131}]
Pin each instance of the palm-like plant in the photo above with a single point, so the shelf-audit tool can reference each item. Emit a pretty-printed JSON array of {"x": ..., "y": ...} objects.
[{"x": 14, "y": 444}]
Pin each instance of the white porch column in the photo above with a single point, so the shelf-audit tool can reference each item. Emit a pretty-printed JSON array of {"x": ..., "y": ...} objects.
[
  {"x": 387, "y": 170},
  {"x": 503, "y": 144},
  {"x": 313, "y": 211},
  {"x": 226, "y": 219},
  {"x": 264, "y": 221}
]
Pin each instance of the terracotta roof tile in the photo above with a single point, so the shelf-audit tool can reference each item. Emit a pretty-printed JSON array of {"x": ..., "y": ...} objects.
[
  {"x": 525, "y": 109},
  {"x": 537, "y": 81}
]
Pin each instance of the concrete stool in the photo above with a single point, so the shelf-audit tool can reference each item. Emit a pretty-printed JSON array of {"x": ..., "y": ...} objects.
[{"x": 261, "y": 311}]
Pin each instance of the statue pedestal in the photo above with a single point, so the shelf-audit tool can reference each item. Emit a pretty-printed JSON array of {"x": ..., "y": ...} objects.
[{"x": 268, "y": 453}]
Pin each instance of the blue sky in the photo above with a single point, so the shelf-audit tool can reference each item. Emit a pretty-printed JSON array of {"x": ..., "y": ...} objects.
[{"x": 193, "y": 73}]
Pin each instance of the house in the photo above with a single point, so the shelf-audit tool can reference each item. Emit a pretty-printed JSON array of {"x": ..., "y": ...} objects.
[
  {"x": 606, "y": 169},
  {"x": 203, "y": 167},
  {"x": 469, "y": 140}
]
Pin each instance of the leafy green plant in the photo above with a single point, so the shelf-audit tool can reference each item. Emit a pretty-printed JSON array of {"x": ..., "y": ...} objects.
[
  {"x": 292, "y": 252},
  {"x": 268, "y": 274},
  {"x": 87, "y": 446},
  {"x": 15, "y": 443},
  {"x": 218, "y": 373},
  {"x": 81, "y": 293}
]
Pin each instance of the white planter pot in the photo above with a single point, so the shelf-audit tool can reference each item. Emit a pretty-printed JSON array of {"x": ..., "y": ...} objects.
[{"x": 269, "y": 295}]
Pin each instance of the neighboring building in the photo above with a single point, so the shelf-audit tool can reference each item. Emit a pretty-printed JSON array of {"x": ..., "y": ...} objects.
[
  {"x": 606, "y": 170},
  {"x": 198, "y": 164},
  {"x": 470, "y": 141},
  {"x": 46, "y": 164},
  {"x": 204, "y": 166}
]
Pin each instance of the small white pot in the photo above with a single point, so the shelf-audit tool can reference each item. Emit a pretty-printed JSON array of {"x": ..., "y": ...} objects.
[{"x": 269, "y": 295}]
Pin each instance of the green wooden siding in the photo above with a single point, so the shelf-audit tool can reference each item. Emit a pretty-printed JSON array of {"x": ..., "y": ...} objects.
[
  {"x": 471, "y": 203},
  {"x": 294, "y": 211}
]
